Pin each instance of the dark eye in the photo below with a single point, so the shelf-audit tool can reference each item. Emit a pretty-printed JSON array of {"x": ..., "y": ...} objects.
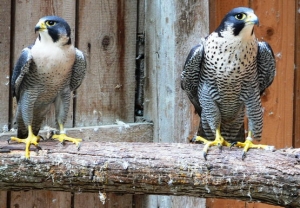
[
  {"x": 240, "y": 16},
  {"x": 50, "y": 23}
]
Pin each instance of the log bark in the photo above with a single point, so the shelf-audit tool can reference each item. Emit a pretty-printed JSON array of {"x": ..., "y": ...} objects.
[{"x": 155, "y": 168}]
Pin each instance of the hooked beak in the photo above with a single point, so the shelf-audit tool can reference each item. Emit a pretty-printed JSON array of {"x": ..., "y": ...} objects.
[
  {"x": 40, "y": 26},
  {"x": 252, "y": 19}
]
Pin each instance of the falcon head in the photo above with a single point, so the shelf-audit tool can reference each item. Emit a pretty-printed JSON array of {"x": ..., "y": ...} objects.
[
  {"x": 55, "y": 29},
  {"x": 239, "y": 21}
]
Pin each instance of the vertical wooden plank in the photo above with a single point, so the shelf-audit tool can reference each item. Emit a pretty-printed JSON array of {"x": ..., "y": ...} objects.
[
  {"x": 24, "y": 32},
  {"x": 171, "y": 29},
  {"x": 189, "y": 202},
  {"x": 40, "y": 198},
  {"x": 277, "y": 27},
  {"x": 3, "y": 199},
  {"x": 5, "y": 43},
  {"x": 93, "y": 200},
  {"x": 297, "y": 78},
  {"x": 224, "y": 203},
  {"x": 107, "y": 35}
]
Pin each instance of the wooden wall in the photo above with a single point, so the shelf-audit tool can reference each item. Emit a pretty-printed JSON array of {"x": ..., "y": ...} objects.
[{"x": 297, "y": 78}]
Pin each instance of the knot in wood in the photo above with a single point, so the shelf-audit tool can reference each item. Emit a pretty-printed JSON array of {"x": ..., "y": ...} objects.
[
  {"x": 105, "y": 42},
  {"x": 270, "y": 33}
]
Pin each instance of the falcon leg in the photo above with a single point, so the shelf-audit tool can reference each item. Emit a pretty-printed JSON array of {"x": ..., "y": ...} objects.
[
  {"x": 63, "y": 137},
  {"x": 31, "y": 139},
  {"x": 248, "y": 144},
  {"x": 219, "y": 141}
]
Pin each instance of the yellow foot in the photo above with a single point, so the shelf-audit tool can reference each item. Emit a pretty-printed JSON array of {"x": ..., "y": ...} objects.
[
  {"x": 31, "y": 139},
  {"x": 219, "y": 141},
  {"x": 248, "y": 145},
  {"x": 64, "y": 137}
]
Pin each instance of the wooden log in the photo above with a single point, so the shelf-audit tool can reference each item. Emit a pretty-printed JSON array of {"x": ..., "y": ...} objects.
[{"x": 155, "y": 168}]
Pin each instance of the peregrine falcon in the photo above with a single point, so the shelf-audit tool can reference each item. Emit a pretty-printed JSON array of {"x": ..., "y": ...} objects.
[
  {"x": 46, "y": 73},
  {"x": 224, "y": 77}
]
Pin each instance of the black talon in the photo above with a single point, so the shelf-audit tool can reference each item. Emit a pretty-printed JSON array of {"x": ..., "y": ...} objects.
[
  {"x": 205, "y": 155},
  {"x": 38, "y": 147},
  {"x": 194, "y": 139},
  {"x": 51, "y": 133},
  {"x": 220, "y": 147},
  {"x": 232, "y": 144},
  {"x": 244, "y": 155},
  {"x": 8, "y": 140},
  {"x": 78, "y": 148}
]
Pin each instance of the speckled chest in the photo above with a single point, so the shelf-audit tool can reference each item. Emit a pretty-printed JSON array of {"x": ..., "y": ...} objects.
[
  {"x": 230, "y": 61},
  {"x": 53, "y": 63}
]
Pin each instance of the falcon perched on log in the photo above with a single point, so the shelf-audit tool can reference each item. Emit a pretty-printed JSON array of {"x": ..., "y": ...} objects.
[
  {"x": 46, "y": 73},
  {"x": 224, "y": 76}
]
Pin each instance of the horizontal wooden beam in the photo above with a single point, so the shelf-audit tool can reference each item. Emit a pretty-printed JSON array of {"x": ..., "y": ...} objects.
[
  {"x": 155, "y": 168},
  {"x": 119, "y": 132}
]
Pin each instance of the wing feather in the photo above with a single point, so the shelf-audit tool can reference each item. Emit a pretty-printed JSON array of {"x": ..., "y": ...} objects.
[
  {"x": 78, "y": 71},
  {"x": 266, "y": 65},
  {"x": 191, "y": 74},
  {"x": 21, "y": 68}
]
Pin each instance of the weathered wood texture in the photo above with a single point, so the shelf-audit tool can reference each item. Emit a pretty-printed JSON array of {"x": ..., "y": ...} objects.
[
  {"x": 171, "y": 29},
  {"x": 122, "y": 132},
  {"x": 134, "y": 168},
  {"x": 277, "y": 27},
  {"x": 134, "y": 132},
  {"x": 40, "y": 198},
  {"x": 107, "y": 36},
  {"x": 297, "y": 79},
  {"x": 111, "y": 200},
  {"x": 5, "y": 41},
  {"x": 3, "y": 199}
]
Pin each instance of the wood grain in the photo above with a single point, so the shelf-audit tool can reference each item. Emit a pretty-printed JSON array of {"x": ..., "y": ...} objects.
[
  {"x": 107, "y": 35},
  {"x": 134, "y": 168},
  {"x": 5, "y": 43},
  {"x": 40, "y": 198},
  {"x": 125, "y": 132},
  {"x": 3, "y": 199},
  {"x": 297, "y": 79},
  {"x": 277, "y": 27},
  {"x": 171, "y": 29},
  {"x": 111, "y": 200}
]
